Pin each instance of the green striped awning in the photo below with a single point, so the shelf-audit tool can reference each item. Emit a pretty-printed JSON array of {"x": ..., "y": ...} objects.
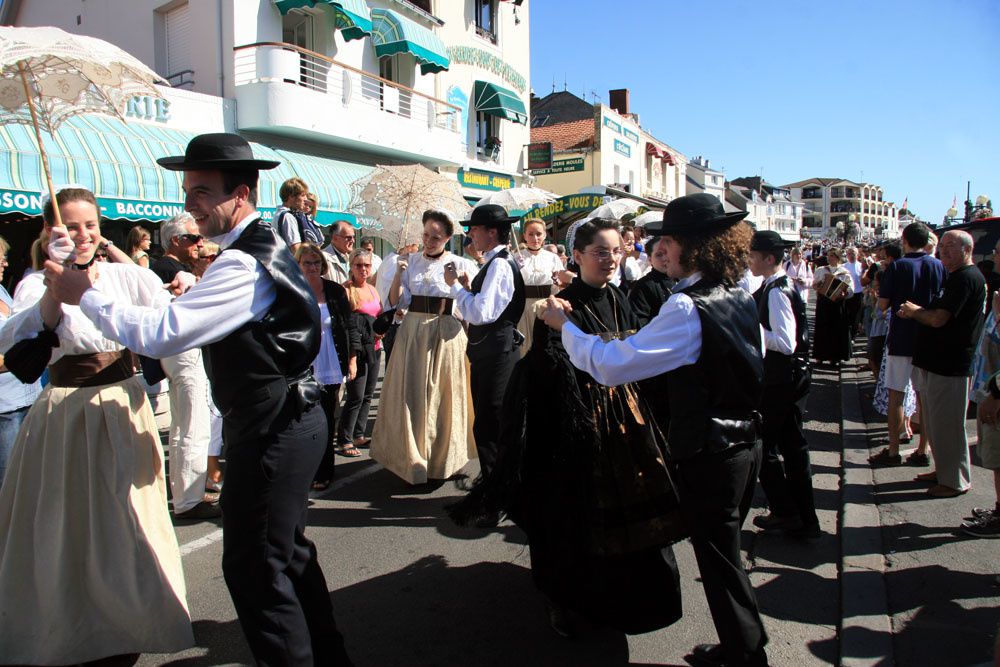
[
  {"x": 352, "y": 17},
  {"x": 393, "y": 33},
  {"x": 498, "y": 101},
  {"x": 117, "y": 161}
]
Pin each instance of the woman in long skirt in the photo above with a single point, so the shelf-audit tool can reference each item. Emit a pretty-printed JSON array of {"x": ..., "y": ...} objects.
[
  {"x": 832, "y": 328},
  {"x": 537, "y": 267},
  {"x": 424, "y": 425},
  {"x": 89, "y": 564}
]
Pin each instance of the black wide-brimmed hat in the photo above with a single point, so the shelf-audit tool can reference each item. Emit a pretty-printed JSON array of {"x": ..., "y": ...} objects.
[
  {"x": 489, "y": 215},
  {"x": 694, "y": 214},
  {"x": 221, "y": 150},
  {"x": 768, "y": 241}
]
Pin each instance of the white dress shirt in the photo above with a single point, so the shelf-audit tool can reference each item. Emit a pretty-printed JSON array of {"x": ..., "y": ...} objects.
[
  {"x": 750, "y": 282},
  {"x": 235, "y": 290},
  {"x": 14, "y": 394},
  {"x": 781, "y": 337},
  {"x": 855, "y": 269},
  {"x": 425, "y": 277},
  {"x": 383, "y": 278},
  {"x": 494, "y": 296},
  {"x": 800, "y": 271},
  {"x": 671, "y": 339},
  {"x": 537, "y": 268}
]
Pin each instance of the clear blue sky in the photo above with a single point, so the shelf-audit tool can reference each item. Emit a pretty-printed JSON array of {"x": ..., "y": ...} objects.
[{"x": 905, "y": 91}]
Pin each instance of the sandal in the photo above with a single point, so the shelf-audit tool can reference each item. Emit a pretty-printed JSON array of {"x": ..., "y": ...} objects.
[
  {"x": 918, "y": 459},
  {"x": 926, "y": 477},
  {"x": 884, "y": 458},
  {"x": 322, "y": 486},
  {"x": 348, "y": 450}
]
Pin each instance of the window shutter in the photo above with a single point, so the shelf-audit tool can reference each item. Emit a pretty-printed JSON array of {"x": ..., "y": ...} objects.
[{"x": 177, "y": 23}]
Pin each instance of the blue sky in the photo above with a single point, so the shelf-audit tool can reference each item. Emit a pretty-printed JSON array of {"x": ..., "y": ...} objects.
[{"x": 905, "y": 91}]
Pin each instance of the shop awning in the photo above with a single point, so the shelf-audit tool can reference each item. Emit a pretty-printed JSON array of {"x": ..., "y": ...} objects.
[
  {"x": 498, "y": 101},
  {"x": 117, "y": 161},
  {"x": 393, "y": 33},
  {"x": 353, "y": 18}
]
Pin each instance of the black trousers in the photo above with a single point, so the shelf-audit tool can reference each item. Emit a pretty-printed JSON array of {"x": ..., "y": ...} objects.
[
  {"x": 852, "y": 305},
  {"x": 715, "y": 492},
  {"x": 329, "y": 393},
  {"x": 488, "y": 376},
  {"x": 270, "y": 566},
  {"x": 785, "y": 474},
  {"x": 358, "y": 402}
]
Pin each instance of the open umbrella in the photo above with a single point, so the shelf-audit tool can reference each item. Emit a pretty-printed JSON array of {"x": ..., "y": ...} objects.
[
  {"x": 617, "y": 209},
  {"x": 644, "y": 219},
  {"x": 519, "y": 200},
  {"x": 397, "y": 196},
  {"x": 48, "y": 75}
]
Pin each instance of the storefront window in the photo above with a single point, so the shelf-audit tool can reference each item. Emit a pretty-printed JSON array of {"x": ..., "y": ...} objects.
[{"x": 487, "y": 136}]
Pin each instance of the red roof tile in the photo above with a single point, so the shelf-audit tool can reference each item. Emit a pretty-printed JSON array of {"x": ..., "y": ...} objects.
[{"x": 566, "y": 136}]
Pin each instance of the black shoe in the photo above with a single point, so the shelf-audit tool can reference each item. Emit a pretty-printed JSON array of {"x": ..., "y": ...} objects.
[
  {"x": 805, "y": 532},
  {"x": 988, "y": 527},
  {"x": 979, "y": 513},
  {"x": 200, "y": 512},
  {"x": 772, "y": 521},
  {"x": 707, "y": 655},
  {"x": 488, "y": 520}
]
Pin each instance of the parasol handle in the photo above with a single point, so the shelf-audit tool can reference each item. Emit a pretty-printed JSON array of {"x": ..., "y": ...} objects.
[{"x": 41, "y": 147}]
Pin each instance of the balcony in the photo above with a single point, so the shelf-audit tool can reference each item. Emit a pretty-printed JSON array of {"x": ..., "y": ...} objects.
[{"x": 296, "y": 93}]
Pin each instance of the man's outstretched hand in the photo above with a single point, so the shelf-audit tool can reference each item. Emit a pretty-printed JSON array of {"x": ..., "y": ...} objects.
[{"x": 68, "y": 285}]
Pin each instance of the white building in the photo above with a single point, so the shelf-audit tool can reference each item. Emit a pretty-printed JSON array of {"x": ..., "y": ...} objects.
[
  {"x": 832, "y": 201},
  {"x": 346, "y": 83},
  {"x": 769, "y": 207},
  {"x": 702, "y": 178}
]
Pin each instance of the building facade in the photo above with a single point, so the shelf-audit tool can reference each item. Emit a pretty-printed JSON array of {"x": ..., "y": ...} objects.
[
  {"x": 829, "y": 202},
  {"x": 701, "y": 177},
  {"x": 769, "y": 207},
  {"x": 359, "y": 82}
]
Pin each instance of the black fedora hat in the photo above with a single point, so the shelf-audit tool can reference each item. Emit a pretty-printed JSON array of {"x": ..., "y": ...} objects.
[
  {"x": 489, "y": 215},
  {"x": 768, "y": 241},
  {"x": 694, "y": 214},
  {"x": 220, "y": 150}
]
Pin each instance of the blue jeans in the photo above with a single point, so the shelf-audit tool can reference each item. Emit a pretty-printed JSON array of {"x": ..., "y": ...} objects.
[{"x": 10, "y": 422}]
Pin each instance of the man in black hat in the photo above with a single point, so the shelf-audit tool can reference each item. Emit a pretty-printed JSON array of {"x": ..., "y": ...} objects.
[
  {"x": 255, "y": 318},
  {"x": 782, "y": 313},
  {"x": 704, "y": 350},
  {"x": 492, "y": 305}
]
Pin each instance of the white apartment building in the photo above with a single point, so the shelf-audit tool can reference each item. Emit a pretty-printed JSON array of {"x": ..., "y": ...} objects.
[
  {"x": 702, "y": 178},
  {"x": 829, "y": 201},
  {"x": 336, "y": 86},
  {"x": 768, "y": 207}
]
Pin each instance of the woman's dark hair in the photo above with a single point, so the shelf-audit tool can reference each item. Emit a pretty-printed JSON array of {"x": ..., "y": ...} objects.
[
  {"x": 893, "y": 250},
  {"x": 65, "y": 196},
  {"x": 650, "y": 244},
  {"x": 503, "y": 235},
  {"x": 442, "y": 217},
  {"x": 719, "y": 257},
  {"x": 586, "y": 232},
  {"x": 136, "y": 235}
]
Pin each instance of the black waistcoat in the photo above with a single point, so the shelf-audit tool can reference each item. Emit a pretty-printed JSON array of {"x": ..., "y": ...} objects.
[
  {"x": 778, "y": 366},
  {"x": 487, "y": 340},
  {"x": 255, "y": 368},
  {"x": 711, "y": 405}
]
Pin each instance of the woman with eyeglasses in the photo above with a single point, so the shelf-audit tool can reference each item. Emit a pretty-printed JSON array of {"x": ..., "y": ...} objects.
[
  {"x": 365, "y": 307},
  {"x": 337, "y": 360},
  {"x": 587, "y": 480},
  {"x": 88, "y": 548},
  {"x": 424, "y": 426}
]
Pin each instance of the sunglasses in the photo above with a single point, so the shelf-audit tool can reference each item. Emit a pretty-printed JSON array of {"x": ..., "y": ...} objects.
[{"x": 190, "y": 238}]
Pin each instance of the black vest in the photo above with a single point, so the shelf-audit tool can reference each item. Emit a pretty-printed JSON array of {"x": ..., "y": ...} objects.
[
  {"x": 778, "y": 366},
  {"x": 256, "y": 368},
  {"x": 711, "y": 405},
  {"x": 497, "y": 337}
]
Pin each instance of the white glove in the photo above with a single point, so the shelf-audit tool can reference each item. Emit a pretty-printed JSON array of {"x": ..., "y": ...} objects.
[{"x": 61, "y": 247}]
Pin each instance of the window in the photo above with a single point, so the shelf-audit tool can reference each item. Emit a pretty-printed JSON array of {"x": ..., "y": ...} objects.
[
  {"x": 540, "y": 121},
  {"x": 421, "y": 4},
  {"x": 398, "y": 68},
  {"x": 715, "y": 180},
  {"x": 176, "y": 39},
  {"x": 297, "y": 29},
  {"x": 487, "y": 135},
  {"x": 811, "y": 193},
  {"x": 486, "y": 13}
]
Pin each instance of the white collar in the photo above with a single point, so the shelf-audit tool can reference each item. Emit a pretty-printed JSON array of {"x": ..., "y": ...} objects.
[
  {"x": 227, "y": 239},
  {"x": 777, "y": 274},
  {"x": 492, "y": 253},
  {"x": 687, "y": 282}
]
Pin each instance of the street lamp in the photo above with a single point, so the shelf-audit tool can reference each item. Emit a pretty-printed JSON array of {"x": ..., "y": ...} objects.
[{"x": 951, "y": 216}]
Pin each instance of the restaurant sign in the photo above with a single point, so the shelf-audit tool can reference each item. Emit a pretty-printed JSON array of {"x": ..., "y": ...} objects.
[
  {"x": 565, "y": 205},
  {"x": 623, "y": 148},
  {"x": 30, "y": 203},
  {"x": 561, "y": 167},
  {"x": 629, "y": 134},
  {"x": 612, "y": 125},
  {"x": 540, "y": 155},
  {"x": 484, "y": 180}
]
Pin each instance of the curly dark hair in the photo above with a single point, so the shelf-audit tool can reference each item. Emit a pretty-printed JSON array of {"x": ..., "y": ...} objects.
[{"x": 719, "y": 257}]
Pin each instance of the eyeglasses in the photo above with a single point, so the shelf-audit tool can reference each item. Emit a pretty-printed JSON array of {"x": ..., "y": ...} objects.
[
  {"x": 604, "y": 253},
  {"x": 306, "y": 262},
  {"x": 190, "y": 238}
]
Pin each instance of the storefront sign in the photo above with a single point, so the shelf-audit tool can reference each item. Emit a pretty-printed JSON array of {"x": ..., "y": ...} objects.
[
  {"x": 540, "y": 155},
  {"x": 146, "y": 107},
  {"x": 30, "y": 203},
  {"x": 564, "y": 205},
  {"x": 612, "y": 125},
  {"x": 623, "y": 148},
  {"x": 470, "y": 55},
  {"x": 629, "y": 134},
  {"x": 484, "y": 180},
  {"x": 562, "y": 166}
]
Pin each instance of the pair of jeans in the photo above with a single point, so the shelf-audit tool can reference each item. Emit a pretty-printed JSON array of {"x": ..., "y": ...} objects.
[
  {"x": 10, "y": 424},
  {"x": 358, "y": 402}
]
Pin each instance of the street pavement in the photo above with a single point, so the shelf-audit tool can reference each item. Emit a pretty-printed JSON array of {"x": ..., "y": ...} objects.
[{"x": 410, "y": 588}]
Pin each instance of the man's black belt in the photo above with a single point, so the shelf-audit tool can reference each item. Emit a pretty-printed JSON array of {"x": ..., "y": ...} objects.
[
  {"x": 435, "y": 305},
  {"x": 537, "y": 291}
]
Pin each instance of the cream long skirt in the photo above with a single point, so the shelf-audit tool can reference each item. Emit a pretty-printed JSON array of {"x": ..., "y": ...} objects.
[
  {"x": 424, "y": 425},
  {"x": 89, "y": 564}
]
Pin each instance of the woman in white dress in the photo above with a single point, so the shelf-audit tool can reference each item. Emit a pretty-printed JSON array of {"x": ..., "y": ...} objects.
[
  {"x": 537, "y": 267},
  {"x": 799, "y": 273},
  {"x": 89, "y": 564},
  {"x": 424, "y": 425}
]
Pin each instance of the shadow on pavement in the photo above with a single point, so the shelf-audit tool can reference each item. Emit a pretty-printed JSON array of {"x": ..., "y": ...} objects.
[{"x": 225, "y": 644}]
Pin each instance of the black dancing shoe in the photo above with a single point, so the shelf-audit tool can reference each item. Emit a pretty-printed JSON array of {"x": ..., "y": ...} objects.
[{"x": 707, "y": 655}]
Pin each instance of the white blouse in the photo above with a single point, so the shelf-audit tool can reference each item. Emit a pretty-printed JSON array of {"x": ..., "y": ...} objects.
[
  {"x": 125, "y": 284},
  {"x": 327, "y": 364},
  {"x": 425, "y": 277},
  {"x": 536, "y": 269}
]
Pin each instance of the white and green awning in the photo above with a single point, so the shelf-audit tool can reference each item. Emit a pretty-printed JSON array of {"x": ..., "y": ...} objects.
[
  {"x": 393, "y": 33},
  {"x": 353, "y": 18},
  {"x": 489, "y": 98},
  {"x": 117, "y": 161}
]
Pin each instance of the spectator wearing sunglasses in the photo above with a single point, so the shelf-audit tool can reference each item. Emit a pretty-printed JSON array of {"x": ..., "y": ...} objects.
[{"x": 182, "y": 243}]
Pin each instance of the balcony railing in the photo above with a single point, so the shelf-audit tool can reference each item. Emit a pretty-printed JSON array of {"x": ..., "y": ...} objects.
[{"x": 351, "y": 87}]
